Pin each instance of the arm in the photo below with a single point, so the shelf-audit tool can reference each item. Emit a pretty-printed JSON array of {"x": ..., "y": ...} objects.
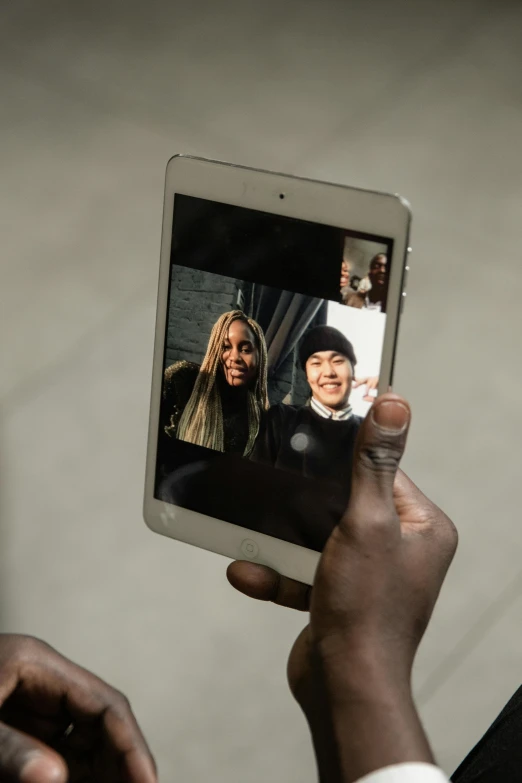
[
  {"x": 375, "y": 727},
  {"x": 375, "y": 589}
]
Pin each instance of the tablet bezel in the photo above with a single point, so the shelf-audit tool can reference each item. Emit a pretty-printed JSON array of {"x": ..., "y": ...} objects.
[{"x": 353, "y": 209}]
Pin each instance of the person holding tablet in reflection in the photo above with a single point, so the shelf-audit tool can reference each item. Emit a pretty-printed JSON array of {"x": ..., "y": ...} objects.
[
  {"x": 219, "y": 404},
  {"x": 316, "y": 440}
]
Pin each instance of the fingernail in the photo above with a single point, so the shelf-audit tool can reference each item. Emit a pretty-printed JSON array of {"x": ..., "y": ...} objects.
[
  {"x": 39, "y": 767},
  {"x": 391, "y": 416}
]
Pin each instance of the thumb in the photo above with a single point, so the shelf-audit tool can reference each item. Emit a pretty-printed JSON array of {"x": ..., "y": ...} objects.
[
  {"x": 378, "y": 451},
  {"x": 24, "y": 759}
]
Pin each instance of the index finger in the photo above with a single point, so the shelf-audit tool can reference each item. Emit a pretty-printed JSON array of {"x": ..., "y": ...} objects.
[
  {"x": 52, "y": 684},
  {"x": 265, "y": 584},
  {"x": 89, "y": 698}
]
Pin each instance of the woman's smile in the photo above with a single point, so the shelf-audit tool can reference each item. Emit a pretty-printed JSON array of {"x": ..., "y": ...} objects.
[{"x": 240, "y": 356}]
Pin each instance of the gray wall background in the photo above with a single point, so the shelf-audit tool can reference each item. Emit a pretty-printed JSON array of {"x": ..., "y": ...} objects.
[{"x": 416, "y": 97}]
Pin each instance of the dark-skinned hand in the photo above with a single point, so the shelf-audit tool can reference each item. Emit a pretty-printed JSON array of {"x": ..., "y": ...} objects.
[
  {"x": 378, "y": 578},
  {"x": 59, "y": 722}
]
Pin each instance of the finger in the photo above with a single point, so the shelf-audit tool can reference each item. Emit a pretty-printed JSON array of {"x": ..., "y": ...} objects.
[
  {"x": 47, "y": 730},
  {"x": 129, "y": 743},
  {"x": 408, "y": 497},
  {"x": 413, "y": 507},
  {"x": 379, "y": 448},
  {"x": 93, "y": 699},
  {"x": 359, "y": 382},
  {"x": 265, "y": 584},
  {"x": 53, "y": 686},
  {"x": 404, "y": 487},
  {"x": 419, "y": 511},
  {"x": 25, "y": 760}
]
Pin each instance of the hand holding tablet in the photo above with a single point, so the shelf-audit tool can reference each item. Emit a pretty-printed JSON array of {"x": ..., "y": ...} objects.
[{"x": 375, "y": 589}]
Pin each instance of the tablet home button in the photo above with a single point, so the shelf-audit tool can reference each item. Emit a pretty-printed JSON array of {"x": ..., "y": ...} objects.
[{"x": 249, "y": 548}]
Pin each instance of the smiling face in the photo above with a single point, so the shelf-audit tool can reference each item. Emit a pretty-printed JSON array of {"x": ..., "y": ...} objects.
[
  {"x": 345, "y": 274},
  {"x": 330, "y": 377},
  {"x": 377, "y": 273},
  {"x": 240, "y": 356}
]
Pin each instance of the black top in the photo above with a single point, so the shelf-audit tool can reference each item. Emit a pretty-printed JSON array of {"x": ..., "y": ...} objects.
[
  {"x": 178, "y": 386},
  {"x": 301, "y": 441},
  {"x": 300, "y": 501},
  {"x": 296, "y": 496},
  {"x": 497, "y": 757}
]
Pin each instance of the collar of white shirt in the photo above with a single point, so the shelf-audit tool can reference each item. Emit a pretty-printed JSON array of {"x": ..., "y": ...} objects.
[{"x": 326, "y": 413}]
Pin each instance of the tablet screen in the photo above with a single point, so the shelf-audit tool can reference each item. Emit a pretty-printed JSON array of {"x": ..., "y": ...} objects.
[{"x": 273, "y": 346}]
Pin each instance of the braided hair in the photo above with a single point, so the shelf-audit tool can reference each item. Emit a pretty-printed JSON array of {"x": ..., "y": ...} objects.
[{"x": 202, "y": 420}]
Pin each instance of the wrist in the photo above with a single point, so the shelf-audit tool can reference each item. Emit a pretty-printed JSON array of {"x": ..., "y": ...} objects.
[
  {"x": 363, "y": 671},
  {"x": 362, "y": 716},
  {"x": 365, "y": 735}
]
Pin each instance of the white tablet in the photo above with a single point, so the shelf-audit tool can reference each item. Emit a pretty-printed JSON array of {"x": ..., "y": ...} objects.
[{"x": 278, "y": 311}]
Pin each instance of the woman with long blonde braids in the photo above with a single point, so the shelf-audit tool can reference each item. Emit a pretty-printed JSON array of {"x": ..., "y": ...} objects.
[{"x": 219, "y": 405}]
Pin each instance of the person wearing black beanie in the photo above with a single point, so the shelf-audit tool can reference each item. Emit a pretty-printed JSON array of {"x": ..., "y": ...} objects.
[
  {"x": 325, "y": 338},
  {"x": 316, "y": 440}
]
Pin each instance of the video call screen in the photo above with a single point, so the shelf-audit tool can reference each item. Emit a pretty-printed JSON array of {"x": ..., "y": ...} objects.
[{"x": 273, "y": 346}]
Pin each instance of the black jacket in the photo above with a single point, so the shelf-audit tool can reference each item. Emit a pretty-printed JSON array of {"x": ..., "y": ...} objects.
[
  {"x": 178, "y": 386},
  {"x": 301, "y": 441}
]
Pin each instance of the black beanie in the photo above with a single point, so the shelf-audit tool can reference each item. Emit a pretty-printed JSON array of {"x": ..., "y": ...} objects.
[{"x": 325, "y": 338}]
